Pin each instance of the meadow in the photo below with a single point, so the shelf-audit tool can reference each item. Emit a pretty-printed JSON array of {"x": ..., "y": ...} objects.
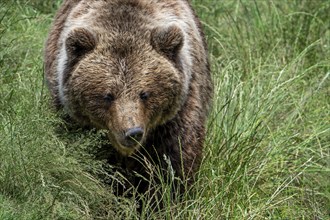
[{"x": 267, "y": 154}]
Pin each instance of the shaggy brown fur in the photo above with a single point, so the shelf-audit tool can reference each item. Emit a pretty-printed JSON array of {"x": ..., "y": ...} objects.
[{"x": 137, "y": 68}]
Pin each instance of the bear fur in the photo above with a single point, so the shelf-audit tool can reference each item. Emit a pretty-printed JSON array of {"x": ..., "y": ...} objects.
[{"x": 138, "y": 69}]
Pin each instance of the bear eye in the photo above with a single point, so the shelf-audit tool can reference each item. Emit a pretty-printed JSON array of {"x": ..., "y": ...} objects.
[
  {"x": 109, "y": 98},
  {"x": 144, "y": 96}
]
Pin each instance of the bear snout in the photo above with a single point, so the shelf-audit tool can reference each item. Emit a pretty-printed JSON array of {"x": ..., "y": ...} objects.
[{"x": 133, "y": 136}]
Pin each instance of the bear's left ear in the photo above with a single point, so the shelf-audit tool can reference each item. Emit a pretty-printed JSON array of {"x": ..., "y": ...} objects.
[{"x": 167, "y": 41}]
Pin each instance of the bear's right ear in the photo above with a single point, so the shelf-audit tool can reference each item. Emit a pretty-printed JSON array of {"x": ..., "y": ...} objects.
[
  {"x": 167, "y": 41},
  {"x": 79, "y": 42}
]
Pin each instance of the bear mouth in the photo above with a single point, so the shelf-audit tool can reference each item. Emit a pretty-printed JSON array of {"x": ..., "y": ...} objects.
[
  {"x": 125, "y": 146},
  {"x": 127, "y": 150}
]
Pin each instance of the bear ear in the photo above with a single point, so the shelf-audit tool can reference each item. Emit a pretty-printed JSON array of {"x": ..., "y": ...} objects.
[
  {"x": 79, "y": 42},
  {"x": 167, "y": 41}
]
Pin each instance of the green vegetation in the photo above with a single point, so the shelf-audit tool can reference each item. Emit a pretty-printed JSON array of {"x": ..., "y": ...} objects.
[{"x": 268, "y": 146}]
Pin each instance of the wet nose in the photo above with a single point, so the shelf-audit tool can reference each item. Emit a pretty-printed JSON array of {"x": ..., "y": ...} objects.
[{"x": 133, "y": 135}]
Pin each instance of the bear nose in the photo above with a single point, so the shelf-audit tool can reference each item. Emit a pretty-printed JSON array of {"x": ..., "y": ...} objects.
[{"x": 133, "y": 135}]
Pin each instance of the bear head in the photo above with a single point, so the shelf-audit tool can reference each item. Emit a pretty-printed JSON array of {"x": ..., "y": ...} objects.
[{"x": 125, "y": 82}]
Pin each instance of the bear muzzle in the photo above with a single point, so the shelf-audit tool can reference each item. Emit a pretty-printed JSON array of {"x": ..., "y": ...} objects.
[
  {"x": 127, "y": 127},
  {"x": 128, "y": 141},
  {"x": 133, "y": 137}
]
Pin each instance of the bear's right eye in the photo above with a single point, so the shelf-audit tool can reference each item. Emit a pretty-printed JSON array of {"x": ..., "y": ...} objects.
[{"x": 109, "y": 98}]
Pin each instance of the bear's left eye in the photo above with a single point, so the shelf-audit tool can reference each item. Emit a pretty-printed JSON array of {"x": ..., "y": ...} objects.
[{"x": 144, "y": 96}]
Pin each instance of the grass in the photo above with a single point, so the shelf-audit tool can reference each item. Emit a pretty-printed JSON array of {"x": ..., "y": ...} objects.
[{"x": 268, "y": 145}]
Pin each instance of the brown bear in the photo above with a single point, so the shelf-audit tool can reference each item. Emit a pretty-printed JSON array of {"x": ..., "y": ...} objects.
[{"x": 138, "y": 69}]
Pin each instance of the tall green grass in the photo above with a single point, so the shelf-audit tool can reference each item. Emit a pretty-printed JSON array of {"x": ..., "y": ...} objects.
[{"x": 267, "y": 151}]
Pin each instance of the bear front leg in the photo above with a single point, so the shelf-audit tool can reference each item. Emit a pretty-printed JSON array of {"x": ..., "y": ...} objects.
[{"x": 181, "y": 141}]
